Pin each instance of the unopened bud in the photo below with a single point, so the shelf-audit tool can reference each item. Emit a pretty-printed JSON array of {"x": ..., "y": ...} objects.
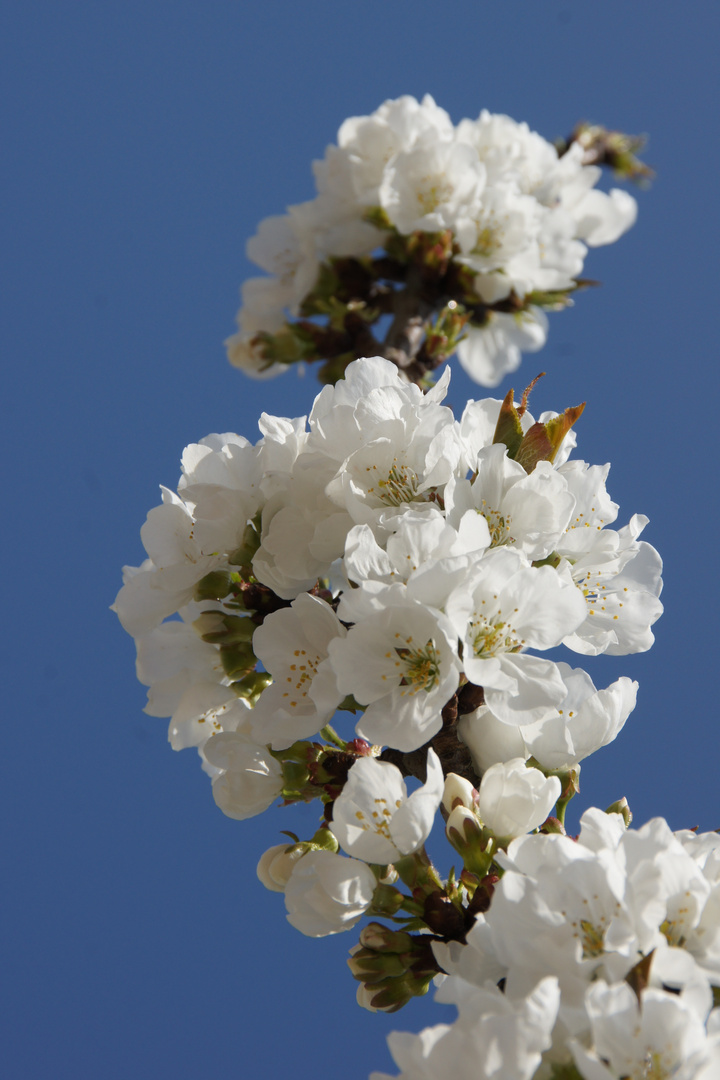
[
  {"x": 383, "y": 938},
  {"x": 387, "y": 900},
  {"x": 371, "y": 967},
  {"x": 392, "y": 994},
  {"x": 276, "y": 865},
  {"x": 466, "y": 834},
  {"x": 458, "y": 792},
  {"x": 553, "y": 825},
  {"x": 620, "y": 806}
]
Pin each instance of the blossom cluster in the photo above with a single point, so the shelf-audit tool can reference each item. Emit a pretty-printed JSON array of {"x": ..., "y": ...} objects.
[
  {"x": 386, "y": 558},
  {"x": 478, "y": 227},
  {"x": 608, "y": 951},
  {"x": 406, "y": 570}
]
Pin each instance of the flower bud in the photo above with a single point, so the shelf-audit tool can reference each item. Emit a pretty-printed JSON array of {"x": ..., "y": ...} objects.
[
  {"x": 515, "y": 799},
  {"x": 466, "y": 834},
  {"x": 377, "y": 936},
  {"x": 621, "y": 807},
  {"x": 252, "y": 779},
  {"x": 458, "y": 792},
  {"x": 328, "y": 893},
  {"x": 277, "y": 864}
]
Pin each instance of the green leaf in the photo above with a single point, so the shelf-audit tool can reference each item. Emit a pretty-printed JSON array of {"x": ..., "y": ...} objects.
[{"x": 508, "y": 429}]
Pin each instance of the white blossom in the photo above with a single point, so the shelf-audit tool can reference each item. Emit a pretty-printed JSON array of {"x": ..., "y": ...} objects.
[
  {"x": 293, "y": 646},
  {"x": 514, "y": 799},
  {"x": 375, "y": 819},
  {"x": 251, "y": 779},
  {"x": 328, "y": 893},
  {"x": 494, "y": 1036}
]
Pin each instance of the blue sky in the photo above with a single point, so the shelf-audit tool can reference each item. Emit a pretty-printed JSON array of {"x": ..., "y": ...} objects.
[{"x": 144, "y": 141}]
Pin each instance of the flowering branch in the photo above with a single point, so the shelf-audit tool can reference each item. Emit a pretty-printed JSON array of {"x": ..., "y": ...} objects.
[{"x": 355, "y": 609}]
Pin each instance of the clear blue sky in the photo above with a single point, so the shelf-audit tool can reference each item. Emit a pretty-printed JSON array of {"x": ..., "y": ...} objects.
[{"x": 143, "y": 142}]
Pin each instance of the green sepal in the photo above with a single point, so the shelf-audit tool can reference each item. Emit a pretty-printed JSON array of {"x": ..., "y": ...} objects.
[
  {"x": 300, "y": 751},
  {"x": 565, "y": 1071},
  {"x": 326, "y": 287},
  {"x": 251, "y": 686},
  {"x": 553, "y": 559},
  {"x": 295, "y": 775},
  {"x": 620, "y": 806},
  {"x": 243, "y": 555},
  {"x": 387, "y": 900},
  {"x": 237, "y": 660},
  {"x": 214, "y": 586},
  {"x": 324, "y": 840},
  {"x": 551, "y": 300},
  {"x": 349, "y": 704},
  {"x": 397, "y": 992},
  {"x": 375, "y": 215},
  {"x": 288, "y": 346},
  {"x": 219, "y": 629}
]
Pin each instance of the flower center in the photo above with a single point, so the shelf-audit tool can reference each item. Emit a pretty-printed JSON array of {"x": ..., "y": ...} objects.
[
  {"x": 432, "y": 191},
  {"x": 593, "y": 939},
  {"x": 498, "y": 525},
  {"x": 400, "y": 487},
  {"x": 493, "y": 635},
  {"x": 422, "y": 668},
  {"x": 653, "y": 1067},
  {"x": 380, "y": 817}
]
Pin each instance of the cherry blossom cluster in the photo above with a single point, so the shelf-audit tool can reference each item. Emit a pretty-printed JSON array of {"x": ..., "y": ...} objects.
[
  {"x": 607, "y": 949},
  {"x": 357, "y": 609},
  {"x": 386, "y": 558},
  {"x": 473, "y": 230},
  {"x": 389, "y": 563}
]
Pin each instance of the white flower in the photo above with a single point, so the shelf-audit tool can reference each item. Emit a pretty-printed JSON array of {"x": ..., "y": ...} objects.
[
  {"x": 220, "y": 484},
  {"x": 187, "y": 682},
  {"x": 166, "y": 581},
  {"x": 620, "y": 580},
  {"x": 251, "y": 779},
  {"x": 371, "y": 142},
  {"x": 495, "y": 1036},
  {"x": 277, "y": 864},
  {"x": 602, "y": 219},
  {"x": 328, "y": 893},
  {"x": 284, "y": 245},
  {"x": 431, "y": 186},
  {"x": 374, "y": 819},
  {"x": 402, "y": 663},
  {"x": 263, "y": 306},
  {"x": 292, "y": 645},
  {"x": 503, "y": 226},
  {"x": 585, "y": 720},
  {"x": 514, "y": 799},
  {"x": 528, "y": 512},
  {"x": 661, "y": 1036},
  {"x": 504, "y": 607}
]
